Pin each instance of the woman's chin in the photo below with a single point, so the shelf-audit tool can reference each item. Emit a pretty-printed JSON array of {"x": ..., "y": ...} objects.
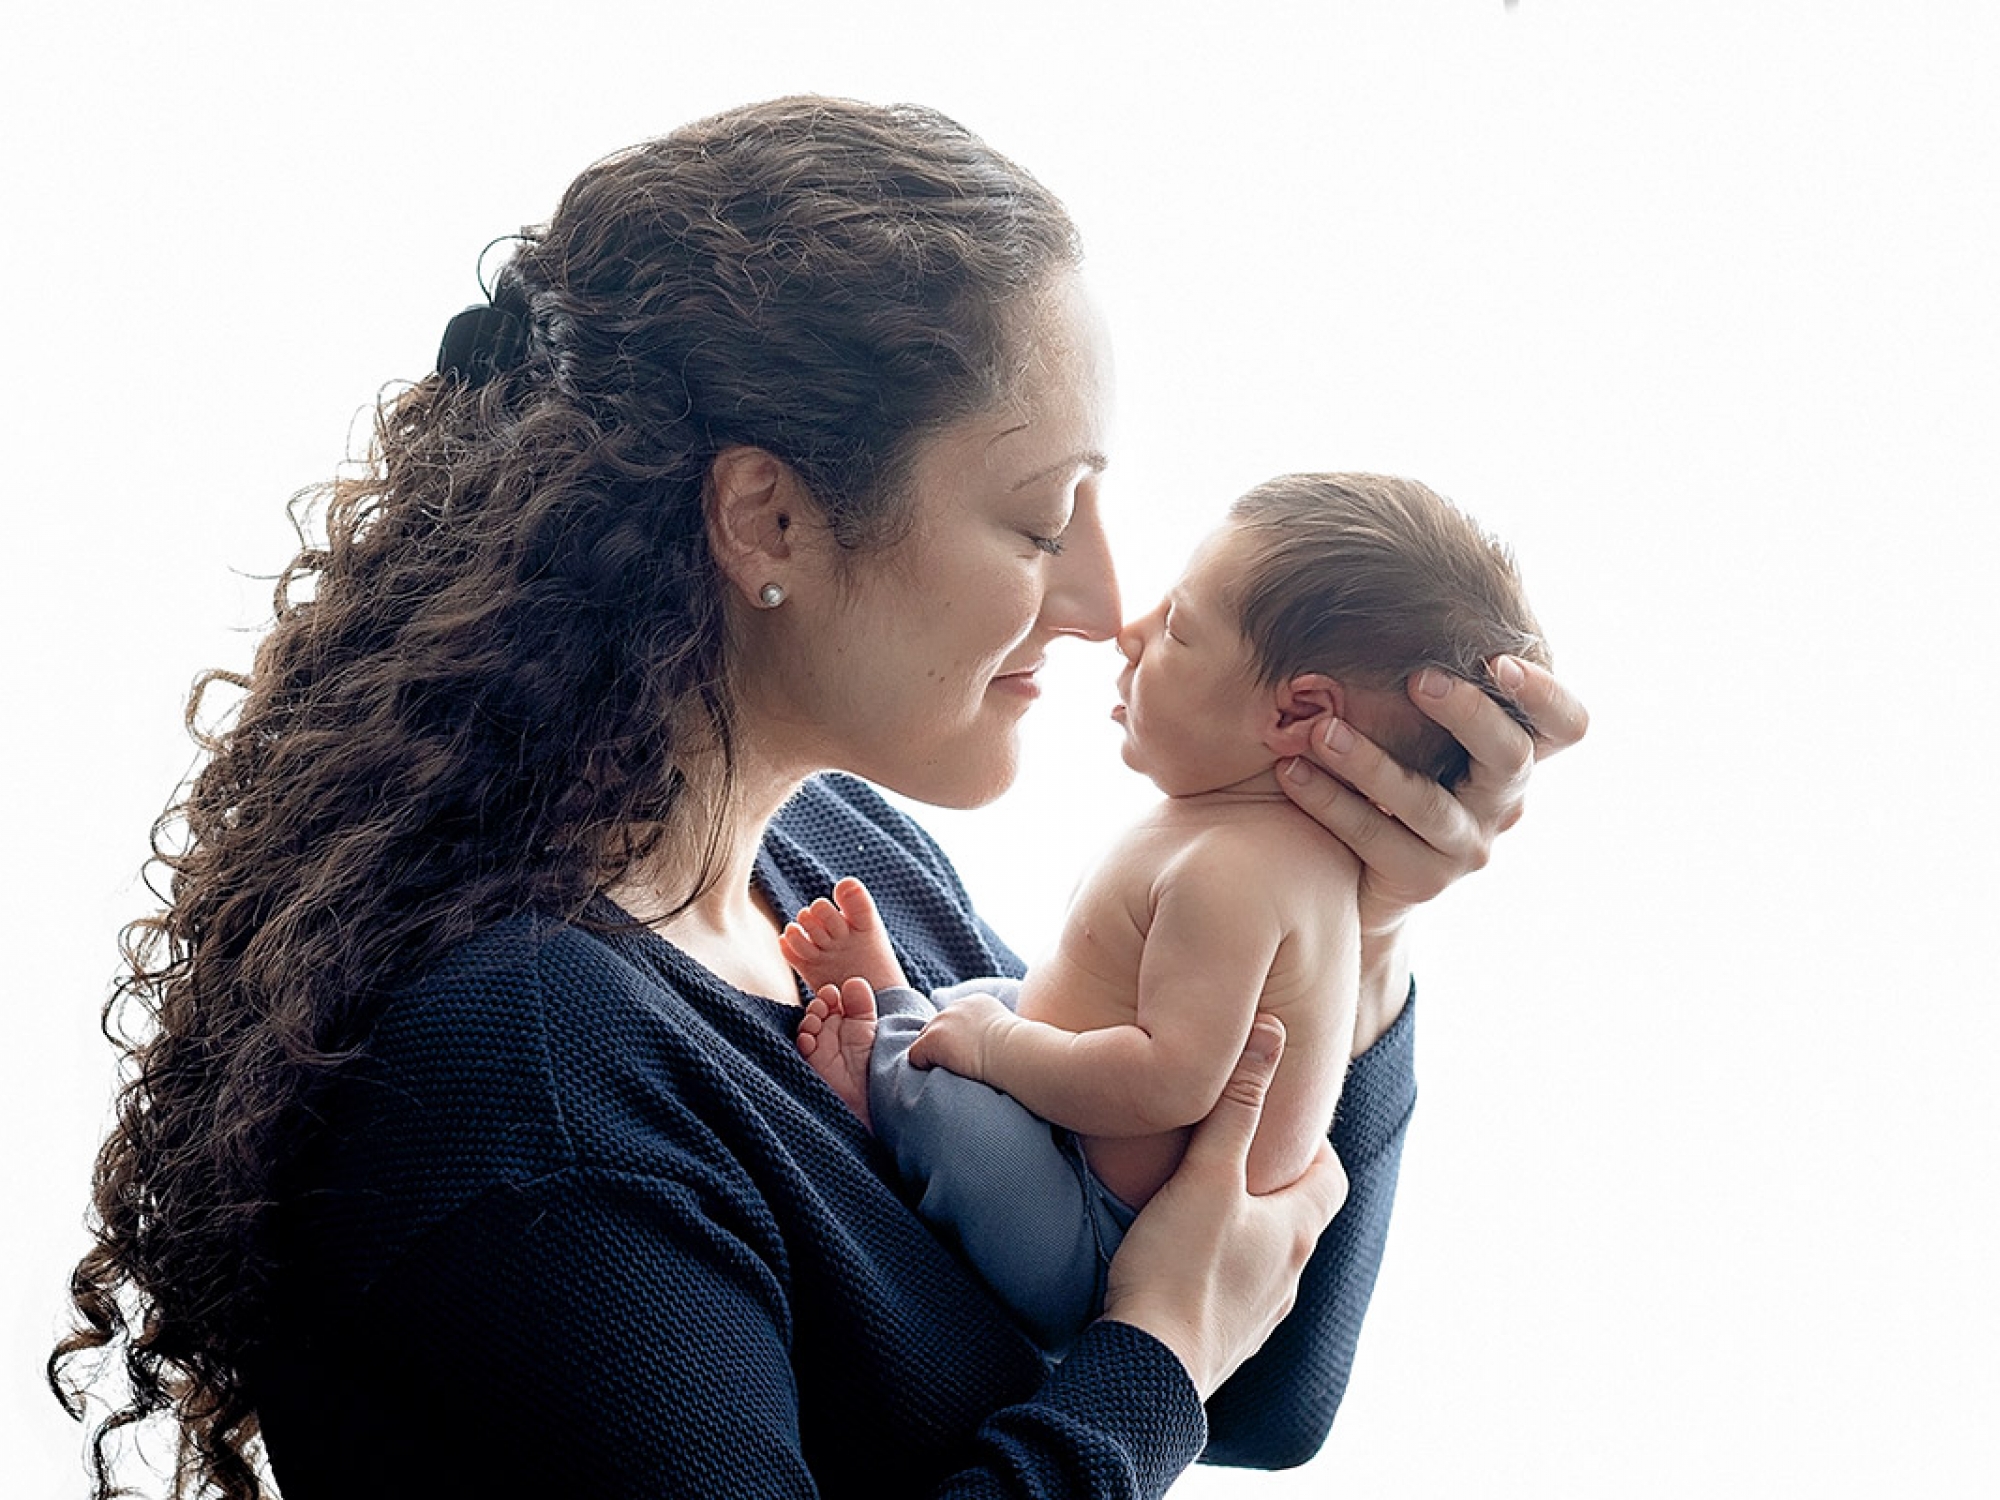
[
  {"x": 964, "y": 781},
  {"x": 972, "y": 791}
]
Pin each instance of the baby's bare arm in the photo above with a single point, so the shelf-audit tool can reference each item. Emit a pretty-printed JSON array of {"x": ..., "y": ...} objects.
[{"x": 1213, "y": 936}]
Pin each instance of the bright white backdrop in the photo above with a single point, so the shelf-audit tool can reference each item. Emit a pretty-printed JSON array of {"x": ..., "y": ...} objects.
[{"x": 1695, "y": 302}]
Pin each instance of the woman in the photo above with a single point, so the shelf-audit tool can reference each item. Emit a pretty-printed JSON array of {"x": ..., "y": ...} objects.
[{"x": 470, "y": 1147}]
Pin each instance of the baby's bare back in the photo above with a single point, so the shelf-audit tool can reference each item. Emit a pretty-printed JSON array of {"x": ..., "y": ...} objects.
[{"x": 1204, "y": 914}]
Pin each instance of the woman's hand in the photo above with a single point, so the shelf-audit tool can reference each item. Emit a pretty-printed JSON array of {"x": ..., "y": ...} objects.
[
  {"x": 1208, "y": 1268},
  {"x": 1412, "y": 836}
]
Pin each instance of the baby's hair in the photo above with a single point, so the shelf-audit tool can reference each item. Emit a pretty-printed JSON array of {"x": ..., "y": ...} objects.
[{"x": 1369, "y": 579}]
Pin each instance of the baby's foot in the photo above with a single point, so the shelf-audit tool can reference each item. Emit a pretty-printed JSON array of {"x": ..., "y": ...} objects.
[
  {"x": 842, "y": 939},
  {"x": 837, "y": 1036}
]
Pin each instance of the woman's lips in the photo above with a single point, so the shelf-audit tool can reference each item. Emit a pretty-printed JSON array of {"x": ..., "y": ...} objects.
[{"x": 1022, "y": 683}]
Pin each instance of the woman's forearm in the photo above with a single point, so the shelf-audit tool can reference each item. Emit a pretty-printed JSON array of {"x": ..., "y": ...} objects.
[
  {"x": 1385, "y": 985},
  {"x": 1276, "y": 1411}
]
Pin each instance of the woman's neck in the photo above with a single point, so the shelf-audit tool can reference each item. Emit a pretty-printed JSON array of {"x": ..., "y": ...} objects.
[{"x": 728, "y": 926}]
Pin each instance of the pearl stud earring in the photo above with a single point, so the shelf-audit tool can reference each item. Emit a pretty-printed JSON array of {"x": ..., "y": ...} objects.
[{"x": 771, "y": 595}]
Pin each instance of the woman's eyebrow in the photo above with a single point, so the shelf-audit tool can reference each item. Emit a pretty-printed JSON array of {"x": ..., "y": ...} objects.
[{"x": 1088, "y": 458}]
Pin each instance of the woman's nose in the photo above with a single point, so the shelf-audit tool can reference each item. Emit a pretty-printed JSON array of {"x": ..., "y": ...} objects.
[
  {"x": 1083, "y": 587},
  {"x": 1131, "y": 640}
]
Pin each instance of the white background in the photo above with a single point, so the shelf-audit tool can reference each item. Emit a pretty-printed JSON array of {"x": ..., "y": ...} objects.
[{"x": 1694, "y": 302}]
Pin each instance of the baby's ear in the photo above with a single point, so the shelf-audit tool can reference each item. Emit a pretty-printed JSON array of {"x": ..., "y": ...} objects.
[{"x": 1299, "y": 708}]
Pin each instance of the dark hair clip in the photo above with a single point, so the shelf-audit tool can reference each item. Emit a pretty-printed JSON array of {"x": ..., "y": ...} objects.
[{"x": 481, "y": 341}]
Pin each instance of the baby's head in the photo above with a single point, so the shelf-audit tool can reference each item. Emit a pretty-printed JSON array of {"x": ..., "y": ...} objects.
[
  {"x": 1368, "y": 579},
  {"x": 1322, "y": 595}
]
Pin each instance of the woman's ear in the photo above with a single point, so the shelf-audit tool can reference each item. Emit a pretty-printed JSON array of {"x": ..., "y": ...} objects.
[
  {"x": 754, "y": 502},
  {"x": 1299, "y": 708}
]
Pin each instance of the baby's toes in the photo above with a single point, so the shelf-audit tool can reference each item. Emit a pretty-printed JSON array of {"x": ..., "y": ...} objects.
[
  {"x": 855, "y": 999},
  {"x": 811, "y": 1024},
  {"x": 857, "y": 907}
]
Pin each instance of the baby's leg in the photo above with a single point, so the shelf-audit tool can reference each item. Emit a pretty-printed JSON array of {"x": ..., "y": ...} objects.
[
  {"x": 842, "y": 939},
  {"x": 989, "y": 1177},
  {"x": 837, "y": 1037}
]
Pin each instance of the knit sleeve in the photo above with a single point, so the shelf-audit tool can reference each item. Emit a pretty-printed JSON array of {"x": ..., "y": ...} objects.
[
  {"x": 1118, "y": 1417},
  {"x": 1276, "y": 1411}
]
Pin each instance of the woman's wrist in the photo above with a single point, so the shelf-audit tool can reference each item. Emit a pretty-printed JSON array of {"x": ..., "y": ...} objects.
[
  {"x": 1385, "y": 984},
  {"x": 1139, "y": 1392},
  {"x": 1174, "y": 1331}
]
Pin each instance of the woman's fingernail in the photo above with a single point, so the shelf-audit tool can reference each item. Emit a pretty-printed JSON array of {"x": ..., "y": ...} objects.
[
  {"x": 1337, "y": 737},
  {"x": 1507, "y": 672},
  {"x": 1297, "y": 770},
  {"x": 1432, "y": 683},
  {"x": 1263, "y": 1044}
]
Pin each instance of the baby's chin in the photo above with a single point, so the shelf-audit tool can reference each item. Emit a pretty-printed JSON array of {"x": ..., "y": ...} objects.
[
  {"x": 1253, "y": 776},
  {"x": 1135, "y": 760}
]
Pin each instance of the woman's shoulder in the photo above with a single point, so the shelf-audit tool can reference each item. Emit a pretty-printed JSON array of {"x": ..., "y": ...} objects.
[
  {"x": 484, "y": 1060},
  {"x": 531, "y": 1049},
  {"x": 455, "y": 1069},
  {"x": 532, "y": 1014},
  {"x": 482, "y": 1004}
]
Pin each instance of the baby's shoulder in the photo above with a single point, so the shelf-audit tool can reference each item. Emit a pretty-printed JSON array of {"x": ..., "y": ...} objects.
[
  {"x": 1273, "y": 856},
  {"x": 1264, "y": 832}
]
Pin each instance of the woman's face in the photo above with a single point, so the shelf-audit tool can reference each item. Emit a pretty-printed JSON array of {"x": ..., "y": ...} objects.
[{"x": 914, "y": 669}]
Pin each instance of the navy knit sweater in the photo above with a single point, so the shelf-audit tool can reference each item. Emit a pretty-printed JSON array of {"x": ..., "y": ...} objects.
[{"x": 580, "y": 1221}]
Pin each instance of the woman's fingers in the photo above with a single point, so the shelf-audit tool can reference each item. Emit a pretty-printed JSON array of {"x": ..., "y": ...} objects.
[
  {"x": 1503, "y": 754},
  {"x": 1559, "y": 717},
  {"x": 1209, "y": 1268},
  {"x": 1413, "y": 835},
  {"x": 1223, "y": 1139}
]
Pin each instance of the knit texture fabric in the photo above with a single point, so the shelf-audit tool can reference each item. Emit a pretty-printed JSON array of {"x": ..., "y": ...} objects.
[{"x": 579, "y": 1220}]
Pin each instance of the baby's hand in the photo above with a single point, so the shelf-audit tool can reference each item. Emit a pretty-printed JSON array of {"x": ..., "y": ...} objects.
[{"x": 962, "y": 1036}]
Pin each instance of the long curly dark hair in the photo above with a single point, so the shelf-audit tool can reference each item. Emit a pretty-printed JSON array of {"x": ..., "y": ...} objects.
[{"x": 484, "y": 689}]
